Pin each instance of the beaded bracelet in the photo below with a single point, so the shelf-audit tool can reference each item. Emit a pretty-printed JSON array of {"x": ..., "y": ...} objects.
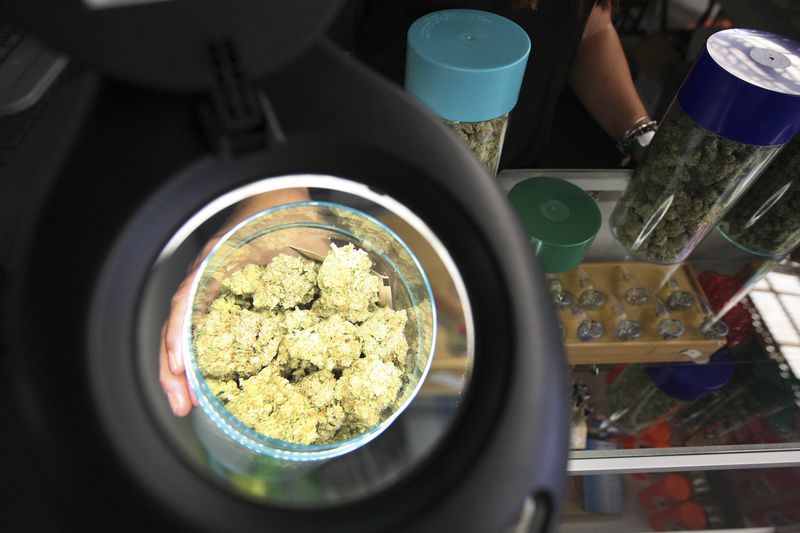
[{"x": 637, "y": 137}]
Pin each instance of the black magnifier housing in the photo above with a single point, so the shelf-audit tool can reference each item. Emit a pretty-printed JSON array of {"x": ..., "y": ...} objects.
[{"x": 190, "y": 100}]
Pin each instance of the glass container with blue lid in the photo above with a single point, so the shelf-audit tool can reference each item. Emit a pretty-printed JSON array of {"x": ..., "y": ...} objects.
[
  {"x": 467, "y": 67},
  {"x": 644, "y": 395},
  {"x": 766, "y": 220},
  {"x": 738, "y": 106}
]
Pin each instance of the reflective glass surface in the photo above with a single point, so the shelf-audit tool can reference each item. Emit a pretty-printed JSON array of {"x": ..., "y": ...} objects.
[
  {"x": 763, "y": 499},
  {"x": 402, "y": 248},
  {"x": 723, "y": 393}
]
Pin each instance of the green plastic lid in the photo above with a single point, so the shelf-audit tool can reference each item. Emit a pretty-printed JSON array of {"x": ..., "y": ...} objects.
[
  {"x": 466, "y": 65},
  {"x": 561, "y": 219}
]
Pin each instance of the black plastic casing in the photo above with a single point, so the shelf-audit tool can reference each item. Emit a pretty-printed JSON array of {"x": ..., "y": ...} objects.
[{"x": 139, "y": 169}]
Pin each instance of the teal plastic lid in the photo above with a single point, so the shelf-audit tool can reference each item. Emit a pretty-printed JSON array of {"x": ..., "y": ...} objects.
[
  {"x": 561, "y": 219},
  {"x": 466, "y": 65}
]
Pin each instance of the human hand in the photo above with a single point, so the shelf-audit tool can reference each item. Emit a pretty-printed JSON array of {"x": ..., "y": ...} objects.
[{"x": 172, "y": 372}]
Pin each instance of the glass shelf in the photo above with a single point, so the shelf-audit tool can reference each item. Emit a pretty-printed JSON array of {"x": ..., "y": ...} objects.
[
  {"x": 765, "y": 498},
  {"x": 753, "y": 420}
]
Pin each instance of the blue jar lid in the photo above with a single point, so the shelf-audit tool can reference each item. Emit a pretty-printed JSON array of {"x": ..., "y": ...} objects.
[
  {"x": 466, "y": 65},
  {"x": 745, "y": 86},
  {"x": 689, "y": 382}
]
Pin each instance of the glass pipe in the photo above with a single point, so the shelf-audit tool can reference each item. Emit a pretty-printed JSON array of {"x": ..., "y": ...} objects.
[
  {"x": 590, "y": 298},
  {"x": 668, "y": 328},
  {"x": 626, "y": 329},
  {"x": 711, "y": 327},
  {"x": 634, "y": 295},
  {"x": 588, "y": 330},
  {"x": 678, "y": 299},
  {"x": 561, "y": 298}
]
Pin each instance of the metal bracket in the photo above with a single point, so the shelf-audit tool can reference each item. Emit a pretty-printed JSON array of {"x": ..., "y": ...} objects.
[{"x": 238, "y": 117}]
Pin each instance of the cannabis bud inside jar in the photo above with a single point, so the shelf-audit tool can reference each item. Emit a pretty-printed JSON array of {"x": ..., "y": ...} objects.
[
  {"x": 766, "y": 220},
  {"x": 467, "y": 67},
  {"x": 739, "y": 104},
  {"x": 311, "y": 328},
  {"x": 484, "y": 138},
  {"x": 645, "y": 395},
  {"x": 303, "y": 352}
]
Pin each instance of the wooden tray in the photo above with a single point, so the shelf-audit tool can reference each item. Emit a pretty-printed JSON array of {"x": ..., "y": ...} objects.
[{"x": 649, "y": 348}]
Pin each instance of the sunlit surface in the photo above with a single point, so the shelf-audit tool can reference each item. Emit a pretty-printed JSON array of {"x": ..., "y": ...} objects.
[
  {"x": 763, "y": 62},
  {"x": 777, "y": 299}
]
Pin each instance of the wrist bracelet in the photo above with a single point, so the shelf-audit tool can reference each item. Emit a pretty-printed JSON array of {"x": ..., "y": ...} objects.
[
  {"x": 637, "y": 137},
  {"x": 638, "y": 122}
]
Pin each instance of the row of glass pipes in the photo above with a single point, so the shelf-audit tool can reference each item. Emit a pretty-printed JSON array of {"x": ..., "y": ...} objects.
[{"x": 625, "y": 328}]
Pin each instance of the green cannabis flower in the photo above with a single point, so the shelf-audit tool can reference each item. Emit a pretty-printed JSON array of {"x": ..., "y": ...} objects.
[
  {"x": 485, "y": 139},
  {"x": 301, "y": 352},
  {"x": 634, "y": 402},
  {"x": 767, "y": 218},
  {"x": 682, "y": 187}
]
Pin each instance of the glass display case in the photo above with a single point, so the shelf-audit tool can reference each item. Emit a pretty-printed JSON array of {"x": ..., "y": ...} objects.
[
  {"x": 762, "y": 499},
  {"x": 720, "y": 397},
  {"x": 708, "y": 399}
]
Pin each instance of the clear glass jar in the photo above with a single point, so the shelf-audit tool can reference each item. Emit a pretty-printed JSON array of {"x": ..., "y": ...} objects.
[
  {"x": 736, "y": 108},
  {"x": 634, "y": 402},
  {"x": 687, "y": 180},
  {"x": 467, "y": 66},
  {"x": 759, "y": 388},
  {"x": 484, "y": 138},
  {"x": 645, "y": 395},
  {"x": 766, "y": 220},
  {"x": 218, "y": 450},
  {"x": 264, "y": 235}
]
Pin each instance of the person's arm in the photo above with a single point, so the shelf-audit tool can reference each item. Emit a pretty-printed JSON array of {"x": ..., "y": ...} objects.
[
  {"x": 258, "y": 203},
  {"x": 601, "y": 79}
]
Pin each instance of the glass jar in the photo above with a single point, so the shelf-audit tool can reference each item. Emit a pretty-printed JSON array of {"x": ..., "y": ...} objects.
[
  {"x": 238, "y": 446},
  {"x": 766, "y": 220},
  {"x": 758, "y": 389},
  {"x": 634, "y": 402},
  {"x": 645, "y": 395},
  {"x": 467, "y": 67},
  {"x": 485, "y": 139},
  {"x": 737, "y": 107}
]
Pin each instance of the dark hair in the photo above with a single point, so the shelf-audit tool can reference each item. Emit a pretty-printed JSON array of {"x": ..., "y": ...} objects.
[{"x": 533, "y": 4}]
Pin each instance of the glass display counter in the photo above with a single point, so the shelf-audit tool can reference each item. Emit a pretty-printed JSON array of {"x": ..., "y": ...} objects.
[
  {"x": 698, "y": 402},
  {"x": 765, "y": 499}
]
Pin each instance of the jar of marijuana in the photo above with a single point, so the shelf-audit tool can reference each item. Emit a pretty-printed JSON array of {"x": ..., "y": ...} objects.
[
  {"x": 766, "y": 221},
  {"x": 737, "y": 107},
  {"x": 644, "y": 395},
  {"x": 467, "y": 67},
  {"x": 246, "y": 308}
]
